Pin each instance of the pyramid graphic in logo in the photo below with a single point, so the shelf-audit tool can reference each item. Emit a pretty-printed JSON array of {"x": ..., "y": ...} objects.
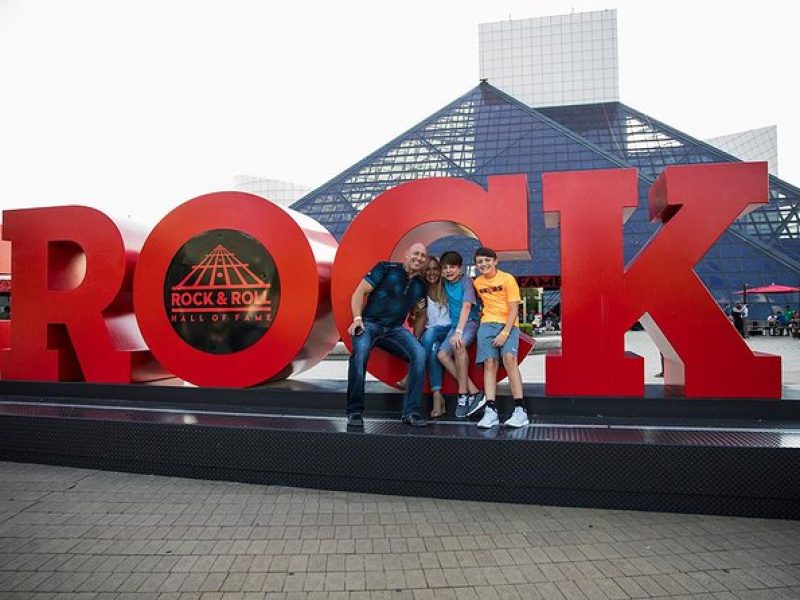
[{"x": 221, "y": 283}]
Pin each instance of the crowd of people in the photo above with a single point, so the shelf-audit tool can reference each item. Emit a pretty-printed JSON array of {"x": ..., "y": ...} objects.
[
  {"x": 784, "y": 323},
  {"x": 450, "y": 312},
  {"x": 551, "y": 321},
  {"x": 778, "y": 323}
]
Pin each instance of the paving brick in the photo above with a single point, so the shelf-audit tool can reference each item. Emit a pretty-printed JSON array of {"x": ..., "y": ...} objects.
[
  {"x": 183, "y": 538},
  {"x": 103, "y": 582},
  {"x": 133, "y": 582},
  {"x": 631, "y": 587}
]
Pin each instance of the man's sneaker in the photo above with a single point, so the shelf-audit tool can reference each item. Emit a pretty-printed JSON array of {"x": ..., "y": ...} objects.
[
  {"x": 519, "y": 418},
  {"x": 461, "y": 408},
  {"x": 414, "y": 420},
  {"x": 489, "y": 419},
  {"x": 355, "y": 420},
  {"x": 475, "y": 402}
]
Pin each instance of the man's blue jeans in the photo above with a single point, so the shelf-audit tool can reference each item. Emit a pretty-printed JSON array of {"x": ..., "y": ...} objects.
[
  {"x": 431, "y": 340},
  {"x": 398, "y": 341}
]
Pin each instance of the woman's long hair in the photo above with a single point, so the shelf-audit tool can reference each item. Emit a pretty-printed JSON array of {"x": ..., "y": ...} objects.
[{"x": 436, "y": 290}]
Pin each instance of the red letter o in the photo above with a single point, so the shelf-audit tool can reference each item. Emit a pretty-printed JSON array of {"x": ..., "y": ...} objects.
[{"x": 301, "y": 331}]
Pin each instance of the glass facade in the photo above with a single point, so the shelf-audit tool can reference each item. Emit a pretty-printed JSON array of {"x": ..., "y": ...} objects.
[
  {"x": 487, "y": 132},
  {"x": 650, "y": 145}
]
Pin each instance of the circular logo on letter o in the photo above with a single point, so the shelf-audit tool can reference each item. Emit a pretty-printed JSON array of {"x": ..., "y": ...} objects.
[
  {"x": 228, "y": 288},
  {"x": 221, "y": 291}
]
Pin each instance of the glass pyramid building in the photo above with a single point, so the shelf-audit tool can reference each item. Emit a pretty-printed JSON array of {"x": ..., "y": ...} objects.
[{"x": 487, "y": 132}]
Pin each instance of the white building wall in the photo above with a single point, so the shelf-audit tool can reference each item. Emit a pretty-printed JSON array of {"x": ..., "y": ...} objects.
[
  {"x": 553, "y": 61},
  {"x": 753, "y": 144},
  {"x": 284, "y": 193}
]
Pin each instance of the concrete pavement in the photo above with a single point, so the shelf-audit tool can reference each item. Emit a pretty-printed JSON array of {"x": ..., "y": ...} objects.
[
  {"x": 78, "y": 534},
  {"x": 635, "y": 341}
]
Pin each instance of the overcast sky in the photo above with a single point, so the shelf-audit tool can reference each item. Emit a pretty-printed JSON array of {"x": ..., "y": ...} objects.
[{"x": 137, "y": 106}]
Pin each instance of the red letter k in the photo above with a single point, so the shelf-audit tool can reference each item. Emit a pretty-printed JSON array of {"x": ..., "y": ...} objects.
[{"x": 703, "y": 354}]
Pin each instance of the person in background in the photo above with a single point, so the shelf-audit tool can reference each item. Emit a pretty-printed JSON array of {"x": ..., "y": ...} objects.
[
  {"x": 738, "y": 314},
  {"x": 781, "y": 323},
  {"x": 661, "y": 372},
  {"x": 789, "y": 312}
]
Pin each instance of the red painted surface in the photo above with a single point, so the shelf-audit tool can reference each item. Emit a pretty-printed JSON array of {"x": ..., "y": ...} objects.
[
  {"x": 73, "y": 318},
  {"x": 5, "y": 286},
  {"x": 601, "y": 299},
  {"x": 303, "y": 331},
  {"x": 424, "y": 211}
]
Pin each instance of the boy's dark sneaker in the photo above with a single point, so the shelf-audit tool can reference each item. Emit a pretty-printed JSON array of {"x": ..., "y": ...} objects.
[
  {"x": 461, "y": 407},
  {"x": 475, "y": 402},
  {"x": 355, "y": 420}
]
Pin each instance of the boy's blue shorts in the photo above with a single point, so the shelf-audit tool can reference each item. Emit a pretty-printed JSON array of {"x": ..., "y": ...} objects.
[
  {"x": 486, "y": 334},
  {"x": 468, "y": 337}
]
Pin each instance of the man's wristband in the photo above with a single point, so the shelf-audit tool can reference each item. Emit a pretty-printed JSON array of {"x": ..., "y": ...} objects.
[
  {"x": 504, "y": 333},
  {"x": 460, "y": 331},
  {"x": 358, "y": 317}
]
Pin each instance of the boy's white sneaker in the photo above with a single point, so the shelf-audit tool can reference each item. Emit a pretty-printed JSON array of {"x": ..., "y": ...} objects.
[
  {"x": 490, "y": 418},
  {"x": 519, "y": 418}
]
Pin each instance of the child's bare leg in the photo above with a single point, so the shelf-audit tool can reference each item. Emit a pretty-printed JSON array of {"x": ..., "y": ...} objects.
[
  {"x": 490, "y": 379},
  {"x": 514, "y": 376},
  {"x": 465, "y": 384}
]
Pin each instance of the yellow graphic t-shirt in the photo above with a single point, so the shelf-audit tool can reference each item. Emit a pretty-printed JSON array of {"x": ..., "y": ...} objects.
[{"x": 495, "y": 294}]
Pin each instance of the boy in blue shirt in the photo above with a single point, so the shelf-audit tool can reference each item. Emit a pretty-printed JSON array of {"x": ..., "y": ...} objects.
[{"x": 464, "y": 318}]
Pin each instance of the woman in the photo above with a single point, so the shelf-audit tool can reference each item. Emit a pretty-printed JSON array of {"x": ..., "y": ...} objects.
[
  {"x": 437, "y": 324},
  {"x": 431, "y": 327}
]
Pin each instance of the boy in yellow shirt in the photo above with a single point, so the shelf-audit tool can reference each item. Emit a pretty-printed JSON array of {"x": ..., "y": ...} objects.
[{"x": 498, "y": 336}]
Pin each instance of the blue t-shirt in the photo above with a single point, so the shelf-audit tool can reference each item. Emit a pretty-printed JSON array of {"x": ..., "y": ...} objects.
[
  {"x": 457, "y": 293},
  {"x": 394, "y": 294}
]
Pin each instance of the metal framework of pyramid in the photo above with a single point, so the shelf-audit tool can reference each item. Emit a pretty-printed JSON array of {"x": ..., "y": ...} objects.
[{"x": 487, "y": 132}]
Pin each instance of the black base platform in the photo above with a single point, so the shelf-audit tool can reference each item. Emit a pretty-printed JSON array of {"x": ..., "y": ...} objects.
[{"x": 657, "y": 453}]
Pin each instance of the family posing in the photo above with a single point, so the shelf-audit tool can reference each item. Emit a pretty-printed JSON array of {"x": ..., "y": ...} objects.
[{"x": 445, "y": 306}]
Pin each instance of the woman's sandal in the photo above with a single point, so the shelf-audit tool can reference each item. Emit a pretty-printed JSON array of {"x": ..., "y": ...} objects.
[{"x": 439, "y": 409}]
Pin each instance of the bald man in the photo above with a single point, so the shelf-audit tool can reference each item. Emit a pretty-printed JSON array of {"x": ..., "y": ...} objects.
[{"x": 391, "y": 290}]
